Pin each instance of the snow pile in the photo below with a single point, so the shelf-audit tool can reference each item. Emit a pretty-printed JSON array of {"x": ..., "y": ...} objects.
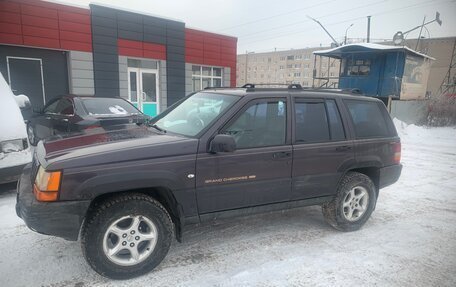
[{"x": 12, "y": 124}]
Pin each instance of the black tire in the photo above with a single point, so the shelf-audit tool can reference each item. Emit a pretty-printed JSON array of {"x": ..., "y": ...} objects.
[
  {"x": 31, "y": 135},
  {"x": 333, "y": 211},
  {"x": 107, "y": 213}
]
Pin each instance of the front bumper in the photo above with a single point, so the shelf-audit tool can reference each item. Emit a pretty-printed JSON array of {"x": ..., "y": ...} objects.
[
  {"x": 389, "y": 175},
  {"x": 61, "y": 219}
]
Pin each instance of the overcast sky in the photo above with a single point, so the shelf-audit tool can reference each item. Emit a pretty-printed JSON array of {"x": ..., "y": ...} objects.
[{"x": 263, "y": 25}]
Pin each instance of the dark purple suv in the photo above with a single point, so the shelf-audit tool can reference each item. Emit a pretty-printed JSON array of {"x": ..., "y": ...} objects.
[{"x": 217, "y": 153}]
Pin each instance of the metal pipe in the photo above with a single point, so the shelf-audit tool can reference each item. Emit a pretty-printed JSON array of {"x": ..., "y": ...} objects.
[{"x": 368, "y": 28}]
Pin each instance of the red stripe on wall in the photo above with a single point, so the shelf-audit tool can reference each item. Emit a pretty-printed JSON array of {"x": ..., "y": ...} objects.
[
  {"x": 45, "y": 25},
  {"x": 8, "y": 6},
  {"x": 211, "y": 49},
  {"x": 8, "y": 17},
  {"x": 11, "y": 39},
  {"x": 141, "y": 49}
]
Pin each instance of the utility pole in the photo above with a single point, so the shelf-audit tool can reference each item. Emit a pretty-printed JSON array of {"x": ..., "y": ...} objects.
[
  {"x": 318, "y": 22},
  {"x": 368, "y": 28},
  {"x": 419, "y": 36},
  {"x": 246, "y": 63},
  {"x": 345, "y": 38}
]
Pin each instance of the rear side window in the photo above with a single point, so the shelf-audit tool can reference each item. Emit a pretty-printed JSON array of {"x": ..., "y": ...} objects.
[
  {"x": 335, "y": 122},
  {"x": 318, "y": 122},
  {"x": 367, "y": 119},
  {"x": 311, "y": 122},
  {"x": 108, "y": 106}
]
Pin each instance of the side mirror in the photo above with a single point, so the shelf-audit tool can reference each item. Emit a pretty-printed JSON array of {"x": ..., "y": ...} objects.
[{"x": 222, "y": 143}]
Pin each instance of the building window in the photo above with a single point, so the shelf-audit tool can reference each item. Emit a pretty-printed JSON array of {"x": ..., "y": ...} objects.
[
  {"x": 282, "y": 58},
  {"x": 306, "y": 66},
  {"x": 290, "y": 57},
  {"x": 289, "y": 66},
  {"x": 297, "y": 66},
  {"x": 307, "y": 56},
  {"x": 298, "y": 57},
  {"x": 203, "y": 77},
  {"x": 281, "y": 67},
  {"x": 357, "y": 67},
  {"x": 297, "y": 74}
]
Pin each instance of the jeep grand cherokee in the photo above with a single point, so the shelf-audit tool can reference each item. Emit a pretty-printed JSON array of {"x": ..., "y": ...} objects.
[{"x": 216, "y": 153}]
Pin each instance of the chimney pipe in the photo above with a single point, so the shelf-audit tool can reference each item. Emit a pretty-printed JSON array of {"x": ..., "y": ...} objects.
[{"x": 368, "y": 28}]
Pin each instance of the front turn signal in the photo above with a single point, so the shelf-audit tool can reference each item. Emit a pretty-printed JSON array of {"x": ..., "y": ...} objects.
[{"x": 47, "y": 185}]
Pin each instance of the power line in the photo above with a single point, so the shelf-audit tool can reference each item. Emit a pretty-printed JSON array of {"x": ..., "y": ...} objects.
[
  {"x": 307, "y": 20},
  {"x": 280, "y": 35},
  {"x": 274, "y": 16}
]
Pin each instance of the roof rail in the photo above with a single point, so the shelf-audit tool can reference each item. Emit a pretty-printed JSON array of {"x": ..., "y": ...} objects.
[{"x": 292, "y": 86}]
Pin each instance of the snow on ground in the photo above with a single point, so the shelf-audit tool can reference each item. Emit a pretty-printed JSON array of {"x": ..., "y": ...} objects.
[{"x": 410, "y": 239}]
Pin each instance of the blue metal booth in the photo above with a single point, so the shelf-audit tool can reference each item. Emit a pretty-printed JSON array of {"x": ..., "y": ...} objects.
[{"x": 378, "y": 70}]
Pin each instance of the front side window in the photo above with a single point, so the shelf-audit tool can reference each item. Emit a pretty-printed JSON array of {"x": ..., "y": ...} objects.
[
  {"x": 203, "y": 77},
  {"x": 367, "y": 119},
  {"x": 195, "y": 113},
  {"x": 260, "y": 125}
]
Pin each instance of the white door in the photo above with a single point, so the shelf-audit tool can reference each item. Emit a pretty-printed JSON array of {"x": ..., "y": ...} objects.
[{"x": 143, "y": 90}]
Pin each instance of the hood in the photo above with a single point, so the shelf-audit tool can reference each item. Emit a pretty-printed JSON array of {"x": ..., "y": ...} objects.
[{"x": 112, "y": 146}]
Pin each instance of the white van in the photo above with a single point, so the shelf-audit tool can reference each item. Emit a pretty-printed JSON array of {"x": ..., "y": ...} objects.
[{"x": 14, "y": 147}]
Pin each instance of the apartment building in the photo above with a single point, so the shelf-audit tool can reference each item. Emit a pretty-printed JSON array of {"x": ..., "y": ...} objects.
[{"x": 285, "y": 67}]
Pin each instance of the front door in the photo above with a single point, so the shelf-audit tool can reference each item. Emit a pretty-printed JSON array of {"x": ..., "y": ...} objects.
[
  {"x": 259, "y": 171},
  {"x": 143, "y": 90}
]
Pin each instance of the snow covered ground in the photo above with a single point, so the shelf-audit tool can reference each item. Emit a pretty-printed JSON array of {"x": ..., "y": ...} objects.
[{"x": 410, "y": 239}]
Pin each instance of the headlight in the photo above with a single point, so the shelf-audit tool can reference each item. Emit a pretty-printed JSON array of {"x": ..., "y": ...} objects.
[
  {"x": 47, "y": 185},
  {"x": 13, "y": 145}
]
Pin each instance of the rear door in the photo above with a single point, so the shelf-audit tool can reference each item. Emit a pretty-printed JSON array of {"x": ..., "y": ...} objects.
[
  {"x": 259, "y": 171},
  {"x": 321, "y": 147}
]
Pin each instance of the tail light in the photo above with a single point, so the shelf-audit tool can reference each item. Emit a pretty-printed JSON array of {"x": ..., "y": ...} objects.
[{"x": 396, "y": 152}]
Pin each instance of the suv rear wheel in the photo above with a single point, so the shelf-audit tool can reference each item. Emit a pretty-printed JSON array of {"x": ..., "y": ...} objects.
[
  {"x": 354, "y": 202},
  {"x": 127, "y": 236}
]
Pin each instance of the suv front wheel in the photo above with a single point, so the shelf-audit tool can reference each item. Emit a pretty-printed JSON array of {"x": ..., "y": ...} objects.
[
  {"x": 127, "y": 236},
  {"x": 354, "y": 202}
]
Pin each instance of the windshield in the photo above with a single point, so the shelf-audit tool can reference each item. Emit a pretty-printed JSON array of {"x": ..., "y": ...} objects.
[
  {"x": 108, "y": 106},
  {"x": 195, "y": 113}
]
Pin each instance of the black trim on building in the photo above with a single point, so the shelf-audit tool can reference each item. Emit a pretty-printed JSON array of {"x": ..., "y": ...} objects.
[{"x": 108, "y": 25}]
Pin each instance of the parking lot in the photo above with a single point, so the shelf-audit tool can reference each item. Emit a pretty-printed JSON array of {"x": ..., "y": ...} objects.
[{"x": 409, "y": 241}]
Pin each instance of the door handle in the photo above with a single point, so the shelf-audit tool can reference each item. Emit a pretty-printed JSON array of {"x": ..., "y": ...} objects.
[
  {"x": 282, "y": 154},
  {"x": 343, "y": 148},
  {"x": 47, "y": 118},
  {"x": 65, "y": 120}
]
